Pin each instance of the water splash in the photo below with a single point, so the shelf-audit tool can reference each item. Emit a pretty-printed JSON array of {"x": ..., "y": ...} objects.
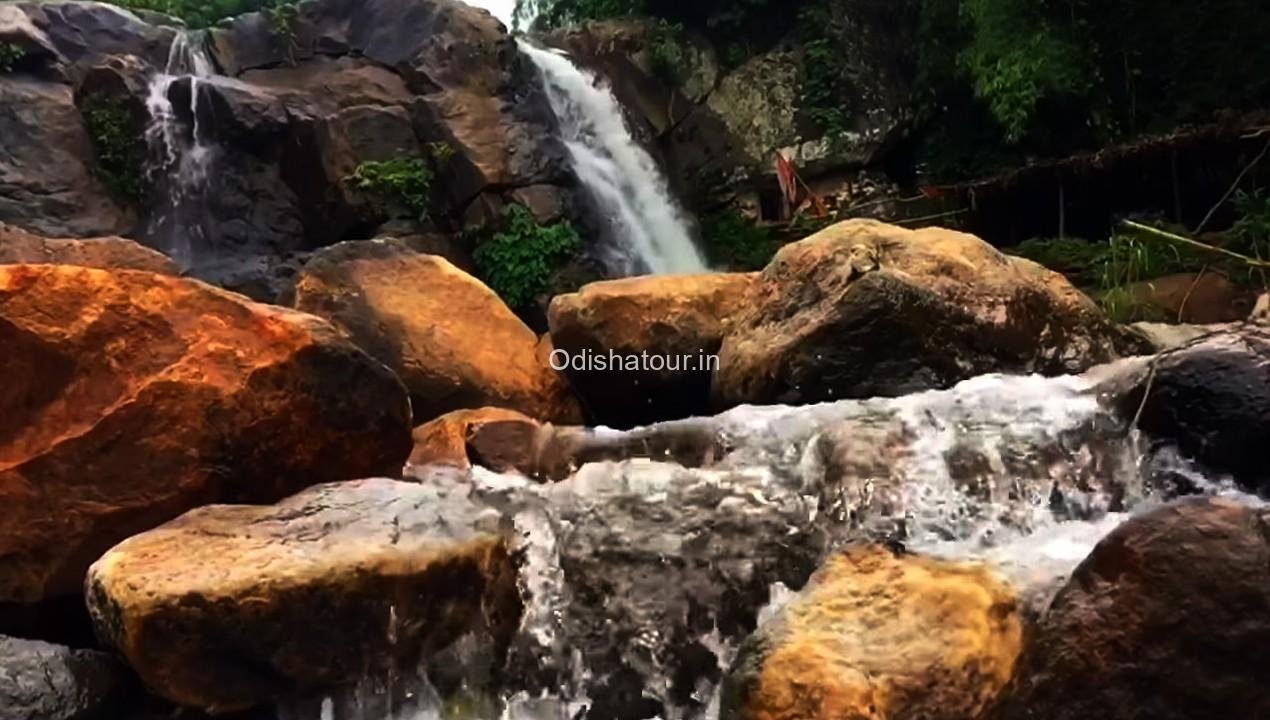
[
  {"x": 650, "y": 232},
  {"x": 181, "y": 159},
  {"x": 641, "y": 577}
]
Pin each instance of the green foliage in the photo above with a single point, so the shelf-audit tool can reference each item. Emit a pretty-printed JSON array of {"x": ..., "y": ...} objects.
[
  {"x": 736, "y": 242},
  {"x": 202, "y": 13},
  {"x": 1080, "y": 260},
  {"x": 402, "y": 185},
  {"x": 1017, "y": 59},
  {"x": 117, "y": 144},
  {"x": 1251, "y": 231},
  {"x": 281, "y": 18},
  {"x": 519, "y": 261},
  {"x": 670, "y": 61},
  {"x": 819, "y": 96},
  {"x": 10, "y": 56}
]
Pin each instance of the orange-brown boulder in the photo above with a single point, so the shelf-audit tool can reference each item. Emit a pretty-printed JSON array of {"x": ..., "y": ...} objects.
[
  {"x": 1200, "y": 298},
  {"x": 671, "y": 327},
  {"x": 131, "y": 397},
  {"x": 865, "y": 309},
  {"x": 230, "y": 606},
  {"x": 880, "y": 635},
  {"x": 18, "y": 246},
  {"x": 494, "y": 438},
  {"x": 452, "y": 341}
]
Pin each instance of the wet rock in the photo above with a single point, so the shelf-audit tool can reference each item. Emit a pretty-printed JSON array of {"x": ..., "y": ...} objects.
[
  {"x": 493, "y": 438},
  {"x": 450, "y": 339},
  {"x": 676, "y": 322},
  {"x": 877, "y": 634},
  {"x": 39, "y": 681},
  {"x": 47, "y": 183},
  {"x": 85, "y": 34},
  {"x": 230, "y": 606},
  {"x": 1211, "y": 398},
  {"x": 1160, "y": 621},
  {"x": 1167, "y": 336},
  {"x": 20, "y": 247},
  {"x": 622, "y": 52},
  {"x": 867, "y": 309},
  {"x": 132, "y": 397},
  {"x": 473, "y": 90},
  {"x": 645, "y": 574}
]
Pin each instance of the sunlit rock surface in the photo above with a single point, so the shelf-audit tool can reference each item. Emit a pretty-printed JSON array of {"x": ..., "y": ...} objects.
[
  {"x": 676, "y": 321},
  {"x": 227, "y": 607},
  {"x": 449, "y": 337},
  {"x": 879, "y": 634},
  {"x": 866, "y": 309},
  {"x": 130, "y": 397}
]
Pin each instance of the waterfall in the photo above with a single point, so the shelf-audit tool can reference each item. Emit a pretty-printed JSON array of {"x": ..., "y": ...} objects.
[
  {"x": 649, "y": 231},
  {"x": 180, "y": 159}
]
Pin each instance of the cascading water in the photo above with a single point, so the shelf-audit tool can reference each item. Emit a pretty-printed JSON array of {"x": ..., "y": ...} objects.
[
  {"x": 650, "y": 233},
  {"x": 638, "y": 575},
  {"x": 180, "y": 159}
]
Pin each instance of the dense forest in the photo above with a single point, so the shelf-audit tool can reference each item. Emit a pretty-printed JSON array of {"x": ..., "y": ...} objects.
[{"x": 1001, "y": 80}]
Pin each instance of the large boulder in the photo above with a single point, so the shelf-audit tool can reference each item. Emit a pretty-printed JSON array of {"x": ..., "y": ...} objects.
[
  {"x": 46, "y": 164},
  {"x": 1200, "y": 298},
  {"x": 1164, "y": 621},
  {"x": 450, "y": 339},
  {"x": 131, "y": 397},
  {"x": 39, "y": 681},
  {"x": 866, "y": 309},
  {"x": 673, "y": 324},
  {"x": 880, "y": 635},
  {"x": 1211, "y": 397},
  {"x": 20, "y": 247},
  {"x": 230, "y": 606}
]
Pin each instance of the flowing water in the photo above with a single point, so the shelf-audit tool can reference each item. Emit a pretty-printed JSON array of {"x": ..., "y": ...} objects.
[
  {"x": 649, "y": 232},
  {"x": 641, "y": 577},
  {"x": 180, "y": 159}
]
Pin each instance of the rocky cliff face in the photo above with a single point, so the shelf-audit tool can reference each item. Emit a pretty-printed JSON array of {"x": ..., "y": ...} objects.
[
  {"x": 716, "y": 126},
  {"x": 294, "y": 107}
]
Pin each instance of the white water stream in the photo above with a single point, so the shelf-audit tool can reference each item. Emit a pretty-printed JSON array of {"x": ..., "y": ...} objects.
[
  {"x": 1025, "y": 474},
  {"x": 650, "y": 233},
  {"x": 180, "y": 158}
]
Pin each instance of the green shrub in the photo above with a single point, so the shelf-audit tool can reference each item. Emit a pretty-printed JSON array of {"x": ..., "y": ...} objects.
[
  {"x": 117, "y": 145},
  {"x": 670, "y": 62},
  {"x": 1080, "y": 260},
  {"x": 203, "y": 13},
  {"x": 519, "y": 261},
  {"x": 10, "y": 56},
  {"x": 737, "y": 242},
  {"x": 401, "y": 186}
]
